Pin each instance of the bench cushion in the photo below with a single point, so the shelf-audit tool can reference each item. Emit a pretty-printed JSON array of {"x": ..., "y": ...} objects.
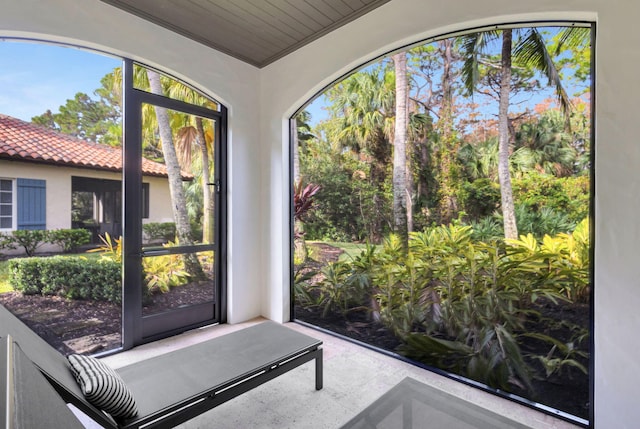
[{"x": 179, "y": 376}]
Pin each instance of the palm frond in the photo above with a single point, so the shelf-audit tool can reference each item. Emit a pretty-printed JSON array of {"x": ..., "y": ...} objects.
[
  {"x": 571, "y": 37},
  {"x": 532, "y": 51}
]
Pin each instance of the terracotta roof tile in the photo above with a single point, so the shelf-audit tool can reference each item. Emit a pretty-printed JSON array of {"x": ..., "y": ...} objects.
[{"x": 25, "y": 141}]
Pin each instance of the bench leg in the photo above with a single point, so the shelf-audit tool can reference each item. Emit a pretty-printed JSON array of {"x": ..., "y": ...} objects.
[{"x": 319, "y": 370}]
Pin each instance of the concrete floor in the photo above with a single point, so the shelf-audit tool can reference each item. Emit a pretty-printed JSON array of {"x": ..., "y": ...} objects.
[{"x": 353, "y": 378}]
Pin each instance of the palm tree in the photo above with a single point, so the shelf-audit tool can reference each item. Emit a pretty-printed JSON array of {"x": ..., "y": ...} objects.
[
  {"x": 363, "y": 110},
  {"x": 174, "y": 171},
  {"x": 300, "y": 134},
  {"x": 400, "y": 190},
  {"x": 545, "y": 146},
  {"x": 530, "y": 51},
  {"x": 193, "y": 137}
]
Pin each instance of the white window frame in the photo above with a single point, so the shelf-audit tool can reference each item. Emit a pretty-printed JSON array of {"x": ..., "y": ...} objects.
[{"x": 14, "y": 204}]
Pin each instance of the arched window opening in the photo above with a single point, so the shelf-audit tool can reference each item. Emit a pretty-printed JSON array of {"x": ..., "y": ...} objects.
[
  {"x": 442, "y": 209},
  {"x": 130, "y": 213}
]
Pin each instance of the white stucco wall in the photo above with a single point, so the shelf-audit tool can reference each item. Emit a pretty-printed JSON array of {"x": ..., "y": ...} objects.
[
  {"x": 94, "y": 24},
  {"x": 288, "y": 83}
]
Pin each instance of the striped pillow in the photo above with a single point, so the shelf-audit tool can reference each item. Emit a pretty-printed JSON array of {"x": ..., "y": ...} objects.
[{"x": 103, "y": 387}]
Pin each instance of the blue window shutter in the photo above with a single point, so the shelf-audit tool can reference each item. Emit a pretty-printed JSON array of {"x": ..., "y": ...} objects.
[{"x": 32, "y": 204}]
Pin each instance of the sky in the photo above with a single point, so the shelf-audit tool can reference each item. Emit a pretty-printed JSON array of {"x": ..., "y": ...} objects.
[{"x": 35, "y": 77}]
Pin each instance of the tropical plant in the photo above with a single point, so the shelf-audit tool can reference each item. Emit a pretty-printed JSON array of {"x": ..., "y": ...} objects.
[
  {"x": 161, "y": 273},
  {"x": 561, "y": 355},
  {"x": 562, "y": 262},
  {"x": 110, "y": 248},
  {"x": 165, "y": 231},
  {"x": 335, "y": 293}
]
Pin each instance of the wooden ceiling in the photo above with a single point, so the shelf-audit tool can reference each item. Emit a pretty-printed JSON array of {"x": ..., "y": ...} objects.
[{"x": 255, "y": 31}]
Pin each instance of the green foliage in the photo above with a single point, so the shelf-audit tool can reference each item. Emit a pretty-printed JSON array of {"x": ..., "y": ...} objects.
[
  {"x": 346, "y": 209},
  {"x": 481, "y": 198},
  {"x": 69, "y": 239},
  {"x": 569, "y": 195},
  {"x": 69, "y": 277},
  {"x": 562, "y": 261},
  {"x": 560, "y": 355},
  {"x": 28, "y": 239},
  {"x": 302, "y": 286},
  {"x": 487, "y": 229},
  {"x": 161, "y": 273},
  {"x": 459, "y": 303},
  {"x": 31, "y": 240},
  {"x": 96, "y": 120},
  {"x": 345, "y": 285},
  {"x": 163, "y": 231},
  {"x": 541, "y": 222},
  {"x": 337, "y": 291},
  {"x": 110, "y": 249}
]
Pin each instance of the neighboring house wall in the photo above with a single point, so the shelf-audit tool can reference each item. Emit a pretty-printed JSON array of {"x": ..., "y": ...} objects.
[{"x": 57, "y": 181}]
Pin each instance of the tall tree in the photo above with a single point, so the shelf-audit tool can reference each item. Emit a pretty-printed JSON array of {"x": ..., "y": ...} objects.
[
  {"x": 362, "y": 108},
  {"x": 300, "y": 134},
  {"x": 530, "y": 51},
  {"x": 400, "y": 190},
  {"x": 504, "y": 175},
  {"x": 447, "y": 154},
  {"x": 97, "y": 120},
  {"x": 178, "y": 201},
  {"x": 192, "y": 137}
]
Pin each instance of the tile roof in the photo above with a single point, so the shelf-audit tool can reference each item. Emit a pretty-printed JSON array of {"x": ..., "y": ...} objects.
[{"x": 24, "y": 141}]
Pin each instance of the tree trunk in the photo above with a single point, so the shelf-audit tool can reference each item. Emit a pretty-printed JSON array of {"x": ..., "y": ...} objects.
[
  {"x": 207, "y": 197},
  {"x": 504, "y": 176},
  {"x": 178, "y": 200},
  {"x": 295, "y": 147},
  {"x": 399, "y": 150},
  {"x": 449, "y": 180}
]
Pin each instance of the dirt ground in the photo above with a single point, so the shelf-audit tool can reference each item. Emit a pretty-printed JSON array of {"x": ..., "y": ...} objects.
[{"x": 84, "y": 326}]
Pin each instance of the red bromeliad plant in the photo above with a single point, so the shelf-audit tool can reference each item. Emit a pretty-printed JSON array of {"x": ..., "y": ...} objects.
[{"x": 303, "y": 201}]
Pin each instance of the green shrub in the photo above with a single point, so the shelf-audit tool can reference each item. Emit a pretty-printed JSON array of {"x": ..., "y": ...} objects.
[
  {"x": 164, "y": 231},
  {"x": 6, "y": 242},
  {"x": 69, "y": 239},
  {"x": 69, "y": 277},
  {"x": 29, "y": 239},
  {"x": 569, "y": 195},
  {"x": 481, "y": 198}
]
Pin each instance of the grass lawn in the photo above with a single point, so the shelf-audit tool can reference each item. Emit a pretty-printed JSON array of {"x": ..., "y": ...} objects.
[
  {"x": 351, "y": 250},
  {"x": 4, "y": 277}
]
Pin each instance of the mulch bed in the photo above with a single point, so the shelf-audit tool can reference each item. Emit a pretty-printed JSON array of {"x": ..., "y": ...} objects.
[{"x": 85, "y": 326}]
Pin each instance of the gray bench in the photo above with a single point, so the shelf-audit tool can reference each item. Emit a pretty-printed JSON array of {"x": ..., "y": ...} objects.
[{"x": 172, "y": 388}]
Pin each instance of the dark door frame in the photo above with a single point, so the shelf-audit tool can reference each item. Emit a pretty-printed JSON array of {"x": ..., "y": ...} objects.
[{"x": 135, "y": 327}]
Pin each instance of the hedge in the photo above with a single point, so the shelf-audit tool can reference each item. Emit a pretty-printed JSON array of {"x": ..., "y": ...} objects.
[{"x": 73, "y": 277}]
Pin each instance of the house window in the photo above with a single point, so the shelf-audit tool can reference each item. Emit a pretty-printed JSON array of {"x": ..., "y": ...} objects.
[{"x": 7, "y": 204}]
